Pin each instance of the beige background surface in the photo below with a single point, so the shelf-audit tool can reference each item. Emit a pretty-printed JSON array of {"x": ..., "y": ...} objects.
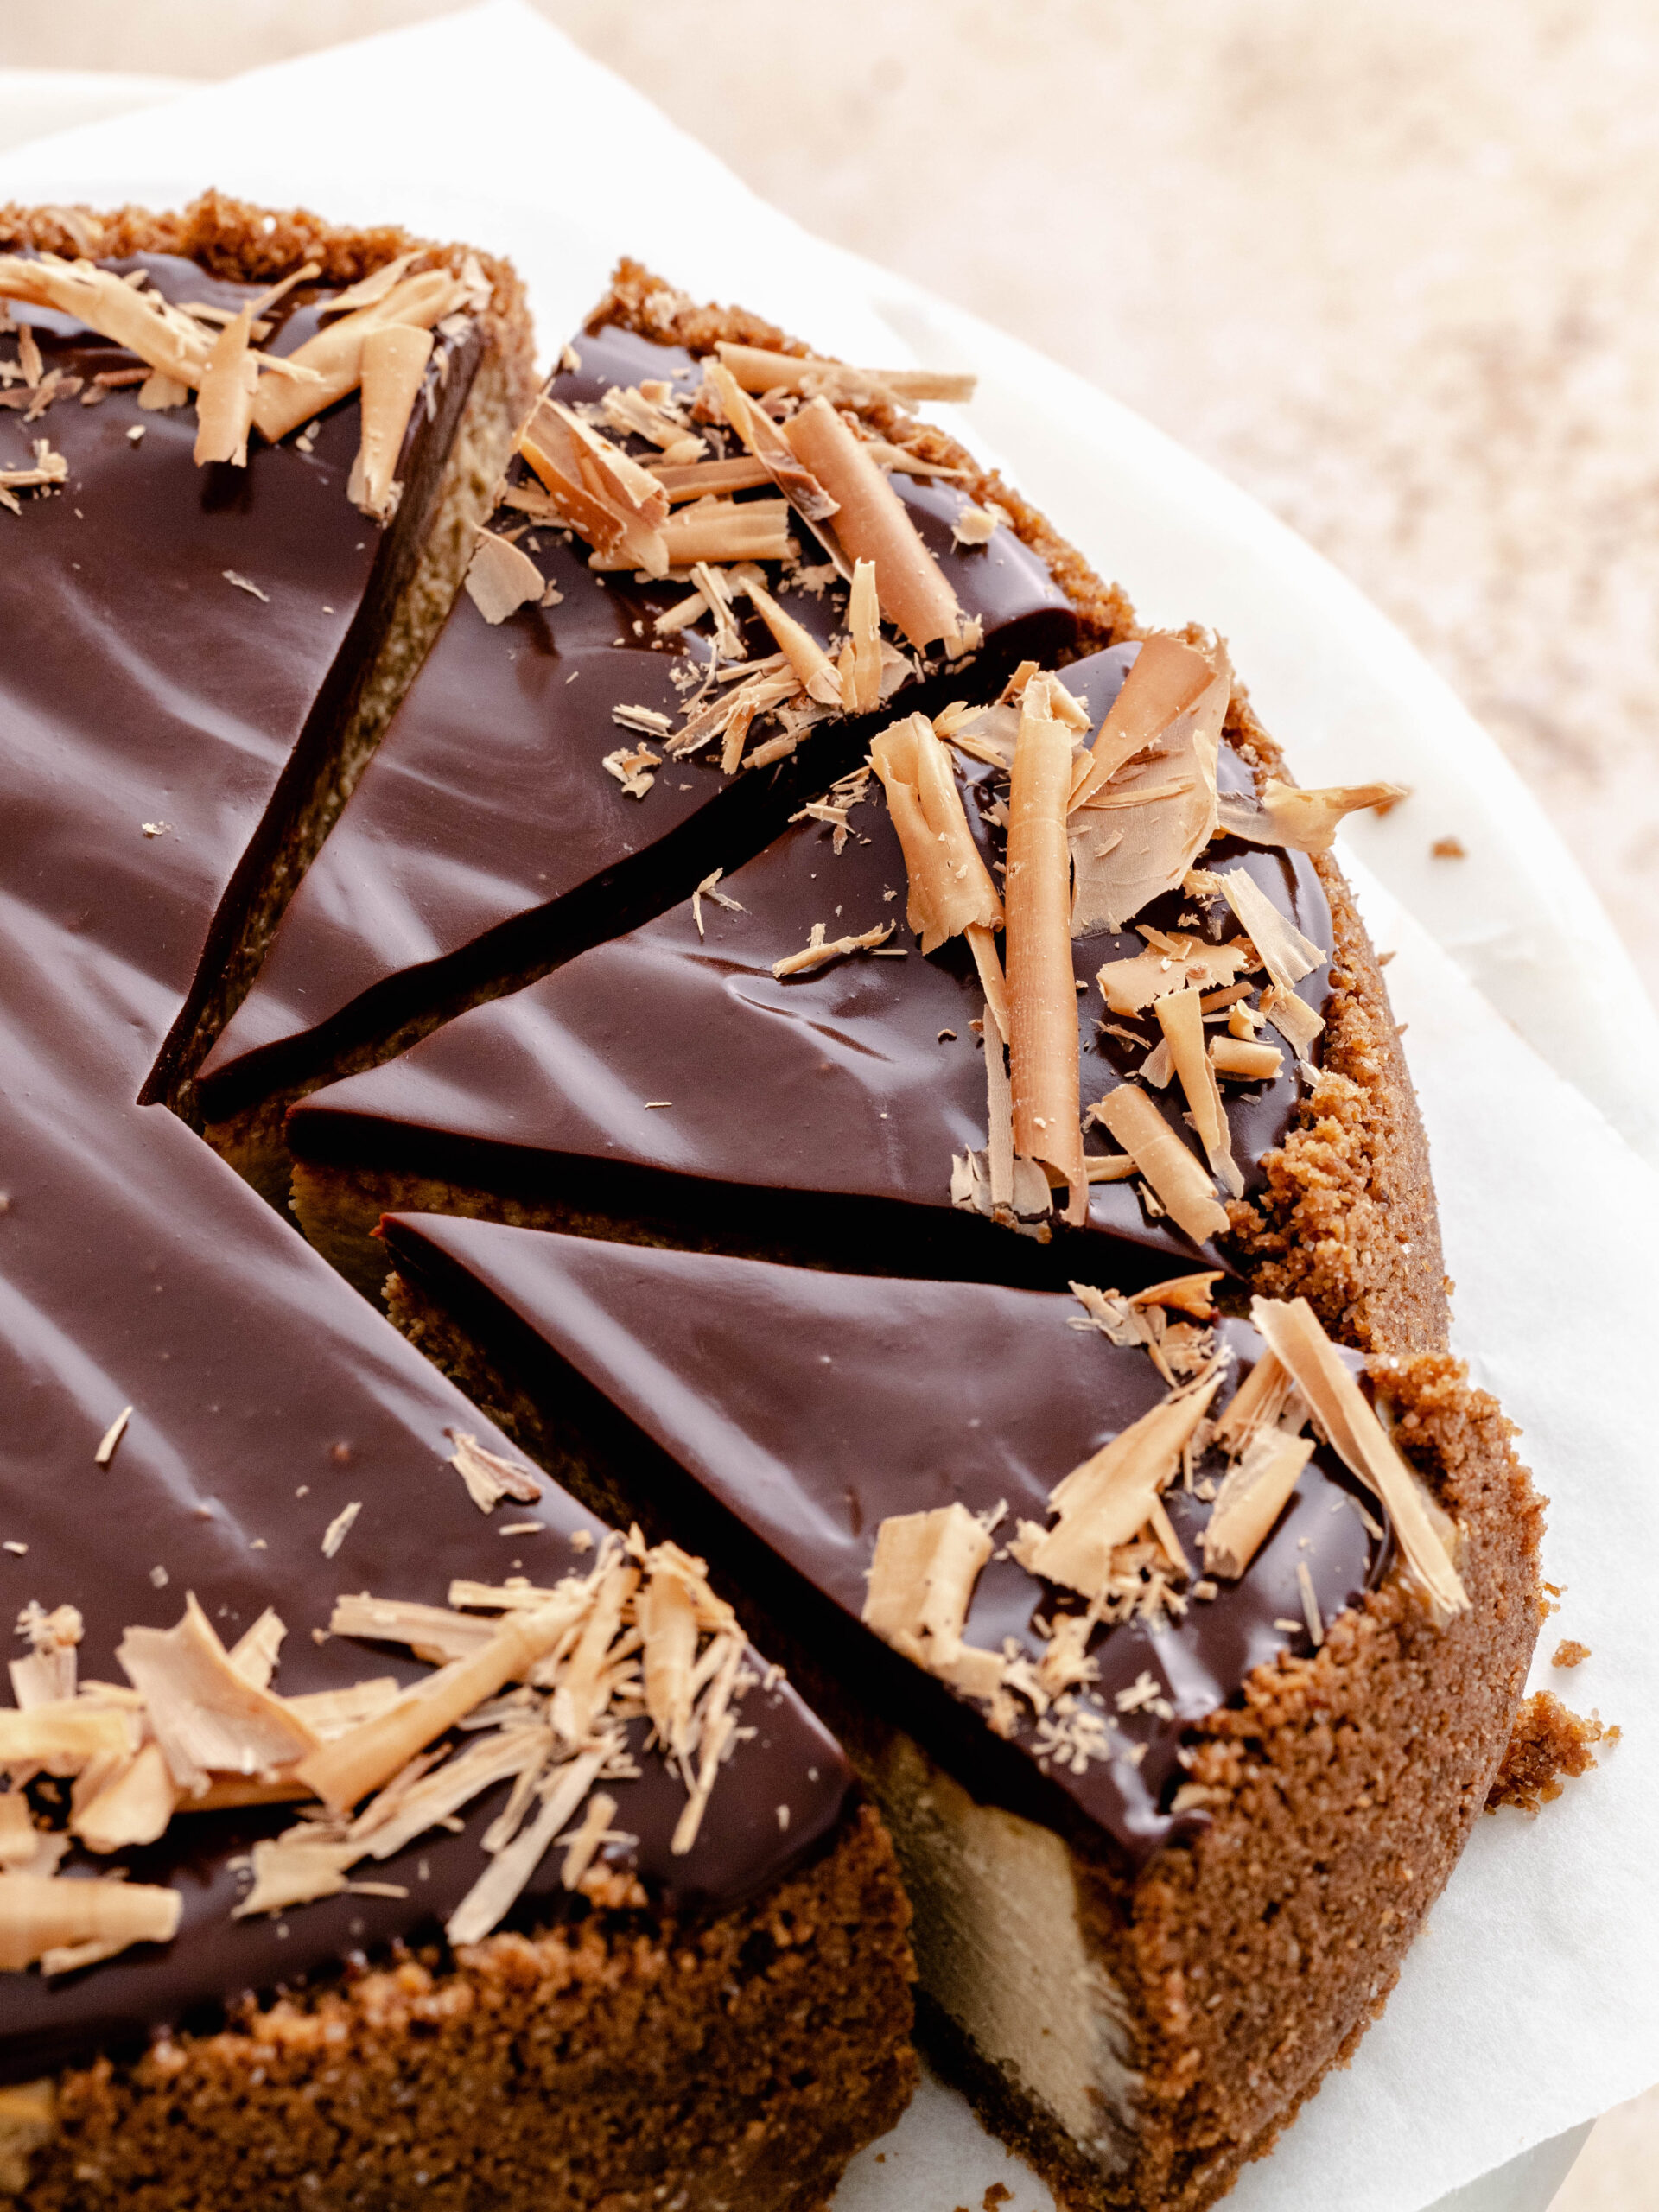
[{"x": 1394, "y": 269}]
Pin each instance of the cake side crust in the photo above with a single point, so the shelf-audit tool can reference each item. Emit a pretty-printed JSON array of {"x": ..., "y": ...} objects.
[{"x": 767, "y": 2044}]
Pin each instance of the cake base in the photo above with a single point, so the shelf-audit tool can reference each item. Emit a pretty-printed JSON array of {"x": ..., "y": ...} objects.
[
  {"x": 623, "y": 2062},
  {"x": 1243, "y": 1960}
]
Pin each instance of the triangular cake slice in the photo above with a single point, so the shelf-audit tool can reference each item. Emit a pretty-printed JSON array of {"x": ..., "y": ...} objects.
[
  {"x": 709, "y": 1079},
  {"x": 214, "y": 642},
  {"x": 584, "y": 736},
  {"x": 331, "y": 1754},
  {"x": 1179, "y": 1716}
]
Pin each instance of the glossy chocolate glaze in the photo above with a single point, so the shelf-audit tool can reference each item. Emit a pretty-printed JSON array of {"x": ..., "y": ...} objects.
[
  {"x": 855, "y": 1083},
  {"x": 485, "y": 838},
  {"x": 148, "y": 677},
  {"x": 799, "y": 1408},
  {"x": 136, "y": 1268}
]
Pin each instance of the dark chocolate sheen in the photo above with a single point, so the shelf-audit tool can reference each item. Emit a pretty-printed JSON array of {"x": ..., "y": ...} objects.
[
  {"x": 136, "y": 1269},
  {"x": 858, "y": 1080},
  {"x": 808, "y": 1407},
  {"x": 486, "y": 837}
]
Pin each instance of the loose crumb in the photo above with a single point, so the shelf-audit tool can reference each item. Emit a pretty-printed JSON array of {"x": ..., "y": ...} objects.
[
  {"x": 1569, "y": 1654},
  {"x": 1549, "y": 1741},
  {"x": 1449, "y": 849}
]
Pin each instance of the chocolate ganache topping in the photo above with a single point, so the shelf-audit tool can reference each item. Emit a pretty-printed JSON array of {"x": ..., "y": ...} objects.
[
  {"x": 794, "y": 1411},
  {"x": 154, "y": 711},
  {"x": 486, "y": 837},
  {"x": 817, "y": 1110}
]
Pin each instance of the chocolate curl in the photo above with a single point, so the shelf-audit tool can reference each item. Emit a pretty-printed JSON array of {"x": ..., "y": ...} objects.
[
  {"x": 164, "y": 336},
  {"x": 1136, "y": 830},
  {"x": 394, "y": 362},
  {"x": 951, "y": 888},
  {"x": 860, "y": 656},
  {"x": 799, "y": 647},
  {"x": 366, "y": 1757},
  {"x": 756, "y": 368},
  {"x": 1042, "y": 991},
  {"x": 225, "y": 403},
  {"x": 596, "y": 490},
  {"x": 336, "y": 355},
  {"x": 766, "y": 442},
  {"x": 872, "y": 526},
  {"x": 39, "y": 1914},
  {"x": 1426, "y": 1534},
  {"x": 1181, "y": 1019}
]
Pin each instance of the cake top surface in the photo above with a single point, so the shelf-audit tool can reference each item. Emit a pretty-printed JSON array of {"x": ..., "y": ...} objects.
[
  {"x": 679, "y": 1047},
  {"x": 210, "y": 1429},
  {"x": 813, "y": 1407},
  {"x": 490, "y": 803}
]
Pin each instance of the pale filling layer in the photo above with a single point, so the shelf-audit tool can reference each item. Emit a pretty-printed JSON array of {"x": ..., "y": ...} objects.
[{"x": 1001, "y": 1948}]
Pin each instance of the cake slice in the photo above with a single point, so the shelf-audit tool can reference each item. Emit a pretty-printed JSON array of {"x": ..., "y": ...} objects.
[
  {"x": 215, "y": 643},
  {"x": 794, "y": 1063},
  {"x": 706, "y": 1078},
  {"x": 378, "y": 1826},
  {"x": 1179, "y": 1716},
  {"x": 608, "y": 705}
]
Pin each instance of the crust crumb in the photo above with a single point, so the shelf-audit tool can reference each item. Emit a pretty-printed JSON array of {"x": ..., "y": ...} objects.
[{"x": 1549, "y": 1741}]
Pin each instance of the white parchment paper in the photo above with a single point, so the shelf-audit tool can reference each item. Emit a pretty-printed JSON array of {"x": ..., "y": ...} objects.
[{"x": 1531, "y": 2002}]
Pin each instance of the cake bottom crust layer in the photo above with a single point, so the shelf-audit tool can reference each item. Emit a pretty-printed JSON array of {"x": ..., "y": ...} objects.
[{"x": 624, "y": 2063}]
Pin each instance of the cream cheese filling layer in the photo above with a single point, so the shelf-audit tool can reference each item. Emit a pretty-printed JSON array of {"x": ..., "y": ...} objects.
[{"x": 1001, "y": 1948}]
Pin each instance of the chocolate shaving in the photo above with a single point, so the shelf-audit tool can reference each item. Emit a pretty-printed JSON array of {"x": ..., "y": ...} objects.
[
  {"x": 770, "y": 446},
  {"x": 759, "y": 369},
  {"x": 328, "y": 366},
  {"x": 1251, "y": 1498},
  {"x": 1248, "y": 1061},
  {"x": 1181, "y": 1185},
  {"x": 41, "y": 1915},
  {"x": 500, "y": 578},
  {"x": 1428, "y": 1537},
  {"x": 204, "y": 1715},
  {"x": 490, "y": 1477},
  {"x": 1307, "y": 822},
  {"x": 1041, "y": 989},
  {"x": 817, "y": 952},
  {"x": 1181, "y": 1019},
  {"x": 1284, "y": 952},
  {"x": 1105, "y": 1501},
  {"x": 224, "y": 399},
  {"x": 394, "y": 364},
  {"x": 873, "y": 525},
  {"x": 1144, "y": 806}
]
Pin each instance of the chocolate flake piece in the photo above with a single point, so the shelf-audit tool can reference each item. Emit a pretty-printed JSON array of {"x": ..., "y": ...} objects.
[
  {"x": 1284, "y": 952},
  {"x": 500, "y": 578},
  {"x": 111, "y": 1438},
  {"x": 488, "y": 1476},
  {"x": 1181, "y": 1185},
  {"x": 873, "y": 524},
  {"x": 1139, "y": 822},
  {"x": 224, "y": 400},
  {"x": 817, "y": 952},
  {"x": 1170, "y": 962},
  {"x": 1182, "y": 1023},
  {"x": 203, "y": 1714},
  {"x": 1042, "y": 999},
  {"x": 394, "y": 366},
  {"x": 40, "y": 1915},
  {"x": 1306, "y": 821},
  {"x": 242, "y": 584},
  {"x": 951, "y": 892},
  {"x": 340, "y": 1528},
  {"x": 921, "y": 1584},
  {"x": 1251, "y": 1498},
  {"x": 759, "y": 369},
  {"x": 1426, "y": 1534},
  {"x": 1105, "y": 1503},
  {"x": 1249, "y": 1061}
]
